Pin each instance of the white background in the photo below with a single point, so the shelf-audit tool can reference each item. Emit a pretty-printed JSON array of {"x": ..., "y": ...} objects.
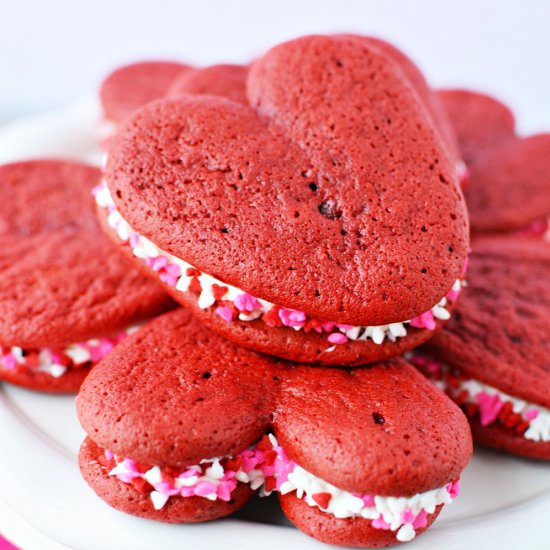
[{"x": 53, "y": 52}]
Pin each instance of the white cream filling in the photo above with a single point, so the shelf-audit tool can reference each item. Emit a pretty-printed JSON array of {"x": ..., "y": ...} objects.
[
  {"x": 46, "y": 362},
  {"x": 147, "y": 249},
  {"x": 344, "y": 504},
  {"x": 539, "y": 427},
  {"x": 214, "y": 474},
  {"x": 78, "y": 353}
]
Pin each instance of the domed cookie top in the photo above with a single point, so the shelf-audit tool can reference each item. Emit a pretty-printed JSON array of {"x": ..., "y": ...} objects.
[
  {"x": 478, "y": 120},
  {"x": 175, "y": 393},
  {"x": 375, "y": 424},
  {"x": 509, "y": 188},
  {"x": 215, "y": 180},
  {"x": 61, "y": 280},
  {"x": 132, "y": 86},
  {"x": 192, "y": 409},
  {"x": 495, "y": 350}
]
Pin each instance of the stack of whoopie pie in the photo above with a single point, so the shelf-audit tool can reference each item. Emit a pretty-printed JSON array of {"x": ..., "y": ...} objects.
[{"x": 340, "y": 338}]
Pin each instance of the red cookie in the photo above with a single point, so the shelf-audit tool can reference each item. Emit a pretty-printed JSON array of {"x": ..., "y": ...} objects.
[
  {"x": 492, "y": 357},
  {"x": 356, "y": 438},
  {"x": 132, "y": 86},
  {"x": 509, "y": 189},
  {"x": 173, "y": 396},
  {"x": 222, "y": 80},
  {"x": 479, "y": 121},
  {"x": 299, "y": 225},
  {"x": 66, "y": 295}
]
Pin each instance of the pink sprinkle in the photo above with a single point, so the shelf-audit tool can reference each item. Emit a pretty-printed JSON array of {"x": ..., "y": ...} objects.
[
  {"x": 249, "y": 463},
  {"x": 127, "y": 477},
  {"x": 421, "y": 520},
  {"x": 109, "y": 455},
  {"x": 131, "y": 466},
  {"x": 292, "y": 317},
  {"x": 426, "y": 320},
  {"x": 225, "y": 488},
  {"x": 204, "y": 488},
  {"x": 166, "y": 488},
  {"x": 337, "y": 338},
  {"x": 407, "y": 516},
  {"x": 101, "y": 350},
  {"x": 188, "y": 473},
  {"x": 453, "y": 488},
  {"x": 530, "y": 414},
  {"x": 245, "y": 302},
  {"x": 187, "y": 491},
  {"x": 159, "y": 262},
  {"x": 226, "y": 313},
  {"x": 134, "y": 240},
  {"x": 9, "y": 361},
  {"x": 327, "y": 326},
  {"x": 379, "y": 523},
  {"x": 168, "y": 279},
  {"x": 55, "y": 356},
  {"x": 368, "y": 500},
  {"x": 489, "y": 407},
  {"x": 173, "y": 269}
]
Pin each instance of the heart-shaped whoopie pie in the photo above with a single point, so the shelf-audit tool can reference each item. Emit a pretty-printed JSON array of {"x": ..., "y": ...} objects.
[
  {"x": 492, "y": 357},
  {"x": 67, "y": 295},
  {"x": 323, "y": 223},
  {"x": 184, "y": 426}
]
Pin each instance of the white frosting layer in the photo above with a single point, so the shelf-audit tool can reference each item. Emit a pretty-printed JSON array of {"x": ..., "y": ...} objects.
[
  {"x": 79, "y": 354},
  {"x": 344, "y": 504},
  {"x": 539, "y": 427},
  {"x": 145, "y": 249}
]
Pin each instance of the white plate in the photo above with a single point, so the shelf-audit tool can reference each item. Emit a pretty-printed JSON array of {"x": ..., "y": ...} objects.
[{"x": 44, "y": 504}]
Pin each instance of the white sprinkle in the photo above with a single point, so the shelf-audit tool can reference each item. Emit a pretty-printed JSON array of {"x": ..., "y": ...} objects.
[
  {"x": 158, "y": 499},
  {"x": 378, "y": 335},
  {"x": 153, "y": 476},
  {"x": 183, "y": 283},
  {"x": 397, "y": 329},
  {"x": 406, "y": 533},
  {"x": 215, "y": 471},
  {"x": 78, "y": 354},
  {"x": 56, "y": 370},
  {"x": 149, "y": 248}
]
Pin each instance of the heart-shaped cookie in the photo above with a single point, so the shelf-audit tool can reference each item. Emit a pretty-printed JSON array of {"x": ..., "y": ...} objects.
[
  {"x": 177, "y": 420},
  {"x": 478, "y": 120},
  {"x": 132, "y": 86},
  {"x": 327, "y": 214},
  {"x": 492, "y": 357},
  {"x": 509, "y": 189},
  {"x": 66, "y": 295}
]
